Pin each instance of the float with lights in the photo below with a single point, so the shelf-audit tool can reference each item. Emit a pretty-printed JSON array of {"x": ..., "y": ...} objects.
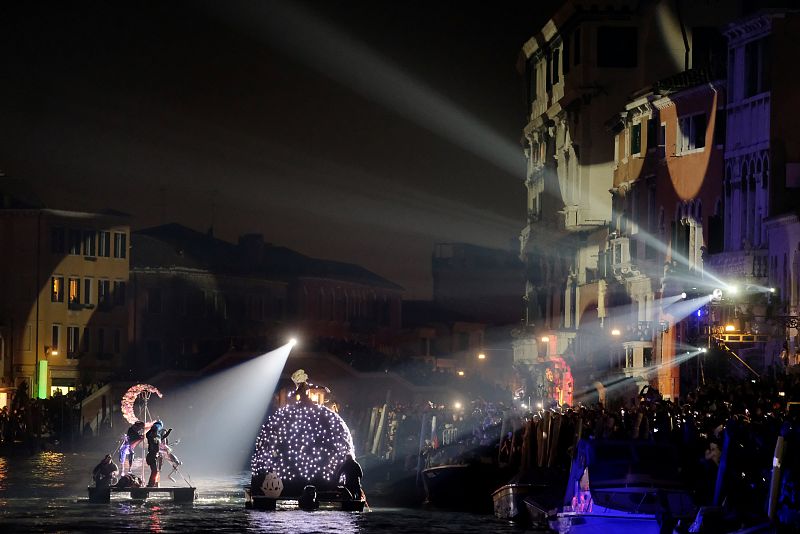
[
  {"x": 298, "y": 453},
  {"x": 134, "y": 407}
]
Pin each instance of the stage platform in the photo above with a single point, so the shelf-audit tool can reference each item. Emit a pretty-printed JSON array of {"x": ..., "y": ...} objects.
[{"x": 179, "y": 495}]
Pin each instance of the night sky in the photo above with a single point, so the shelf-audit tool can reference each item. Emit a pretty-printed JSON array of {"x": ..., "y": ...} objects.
[{"x": 356, "y": 131}]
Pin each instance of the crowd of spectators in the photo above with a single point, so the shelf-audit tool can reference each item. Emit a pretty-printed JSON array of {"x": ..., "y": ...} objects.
[{"x": 33, "y": 422}]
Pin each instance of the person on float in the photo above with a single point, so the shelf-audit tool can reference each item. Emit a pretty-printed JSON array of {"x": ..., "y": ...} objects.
[
  {"x": 133, "y": 437},
  {"x": 104, "y": 472},
  {"x": 352, "y": 472},
  {"x": 154, "y": 437}
]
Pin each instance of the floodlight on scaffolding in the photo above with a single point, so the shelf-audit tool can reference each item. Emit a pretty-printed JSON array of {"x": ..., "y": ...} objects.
[
  {"x": 730, "y": 328},
  {"x": 716, "y": 295}
]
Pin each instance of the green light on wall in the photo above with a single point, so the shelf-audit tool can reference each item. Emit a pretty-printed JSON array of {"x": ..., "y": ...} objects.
[{"x": 41, "y": 391}]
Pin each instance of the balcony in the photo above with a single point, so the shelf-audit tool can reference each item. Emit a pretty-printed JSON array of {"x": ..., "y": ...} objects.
[
  {"x": 578, "y": 219},
  {"x": 622, "y": 261},
  {"x": 748, "y": 266}
]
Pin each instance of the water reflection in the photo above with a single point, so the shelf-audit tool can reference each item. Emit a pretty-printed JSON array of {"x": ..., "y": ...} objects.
[
  {"x": 318, "y": 522},
  {"x": 49, "y": 467},
  {"x": 155, "y": 519}
]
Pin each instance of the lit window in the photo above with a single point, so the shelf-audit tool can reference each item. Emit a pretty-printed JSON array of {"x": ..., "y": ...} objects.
[
  {"x": 57, "y": 289},
  {"x": 74, "y": 290}
]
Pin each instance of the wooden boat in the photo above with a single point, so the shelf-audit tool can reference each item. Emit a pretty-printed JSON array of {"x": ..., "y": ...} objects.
[{"x": 509, "y": 504}]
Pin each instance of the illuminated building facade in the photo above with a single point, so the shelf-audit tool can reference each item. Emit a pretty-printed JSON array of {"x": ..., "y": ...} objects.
[
  {"x": 667, "y": 199},
  {"x": 63, "y": 290},
  {"x": 579, "y": 70},
  {"x": 762, "y": 182}
]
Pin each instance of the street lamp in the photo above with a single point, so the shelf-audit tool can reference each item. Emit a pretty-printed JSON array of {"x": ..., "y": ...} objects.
[{"x": 481, "y": 356}]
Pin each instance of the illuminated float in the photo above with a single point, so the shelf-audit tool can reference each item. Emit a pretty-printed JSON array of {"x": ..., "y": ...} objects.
[{"x": 298, "y": 453}]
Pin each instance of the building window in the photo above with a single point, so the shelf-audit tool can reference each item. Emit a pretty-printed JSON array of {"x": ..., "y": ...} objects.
[
  {"x": 691, "y": 133},
  {"x": 636, "y": 139},
  {"x": 756, "y": 67},
  {"x": 556, "y": 65},
  {"x": 101, "y": 340},
  {"x": 87, "y": 290},
  {"x": 89, "y": 243},
  {"x": 73, "y": 341},
  {"x": 120, "y": 245},
  {"x": 720, "y": 126},
  {"x": 117, "y": 340},
  {"x": 104, "y": 244},
  {"x": 75, "y": 242},
  {"x": 55, "y": 338},
  {"x": 617, "y": 47},
  {"x": 103, "y": 293},
  {"x": 154, "y": 300},
  {"x": 74, "y": 290},
  {"x": 57, "y": 240},
  {"x": 57, "y": 289},
  {"x": 531, "y": 66},
  {"x": 652, "y": 135},
  {"x": 119, "y": 293},
  {"x": 86, "y": 344}
]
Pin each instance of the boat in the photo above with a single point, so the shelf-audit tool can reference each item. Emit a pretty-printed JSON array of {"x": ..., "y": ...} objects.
[
  {"x": 509, "y": 503},
  {"x": 621, "y": 486}
]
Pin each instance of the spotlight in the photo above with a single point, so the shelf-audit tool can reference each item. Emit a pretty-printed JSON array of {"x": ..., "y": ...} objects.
[
  {"x": 730, "y": 328},
  {"x": 539, "y": 405},
  {"x": 683, "y": 295},
  {"x": 772, "y": 290},
  {"x": 293, "y": 341},
  {"x": 615, "y": 332},
  {"x": 457, "y": 405},
  {"x": 460, "y": 373},
  {"x": 545, "y": 339},
  {"x": 716, "y": 294},
  {"x": 481, "y": 356},
  {"x": 733, "y": 290},
  {"x": 703, "y": 349}
]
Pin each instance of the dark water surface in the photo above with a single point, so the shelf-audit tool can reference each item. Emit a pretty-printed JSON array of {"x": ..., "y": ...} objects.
[{"x": 46, "y": 492}]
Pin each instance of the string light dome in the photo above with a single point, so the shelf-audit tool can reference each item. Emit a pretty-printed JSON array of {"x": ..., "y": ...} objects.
[{"x": 303, "y": 443}]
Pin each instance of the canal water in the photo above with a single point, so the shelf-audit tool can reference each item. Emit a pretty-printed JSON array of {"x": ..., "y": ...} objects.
[{"x": 46, "y": 492}]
